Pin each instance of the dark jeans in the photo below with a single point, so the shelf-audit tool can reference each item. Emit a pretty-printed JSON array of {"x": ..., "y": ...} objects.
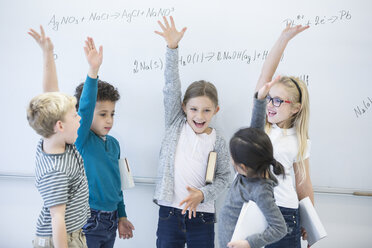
[
  {"x": 175, "y": 229},
  {"x": 100, "y": 230},
  {"x": 293, "y": 237}
]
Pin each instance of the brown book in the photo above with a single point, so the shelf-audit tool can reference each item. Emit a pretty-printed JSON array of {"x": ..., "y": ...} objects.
[{"x": 211, "y": 167}]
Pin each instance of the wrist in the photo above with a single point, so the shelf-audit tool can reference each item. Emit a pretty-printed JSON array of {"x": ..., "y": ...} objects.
[
  {"x": 93, "y": 73},
  {"x": 123, "y": 219},
  {"x": 172, "y": 46},
  {"x": 48, "y": 53}
]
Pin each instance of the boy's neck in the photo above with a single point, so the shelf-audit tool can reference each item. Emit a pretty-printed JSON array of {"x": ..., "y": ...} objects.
[{"x": 53, "y": 145}]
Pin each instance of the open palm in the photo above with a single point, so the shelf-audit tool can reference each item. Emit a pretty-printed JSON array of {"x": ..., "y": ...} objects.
[
  {"x": 93, "y": 56},
  {"x": 170, "y": 33},
  {"x": 290, "y": 32}
]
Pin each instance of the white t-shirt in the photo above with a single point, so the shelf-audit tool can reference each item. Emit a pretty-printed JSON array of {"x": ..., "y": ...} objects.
[
  {"x": 190, "y": 166},
  {"x": 286, "y": 147}
]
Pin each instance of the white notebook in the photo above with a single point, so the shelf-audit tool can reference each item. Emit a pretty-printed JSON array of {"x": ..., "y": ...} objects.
[
  {"x": 311, "y": 222},
  {"x": 126, "y": 177},
  {"x": 251, "y": 221}
]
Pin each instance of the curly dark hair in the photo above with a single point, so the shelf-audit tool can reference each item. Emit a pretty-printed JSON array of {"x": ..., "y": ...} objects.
[{"x": 106, "y": 92}]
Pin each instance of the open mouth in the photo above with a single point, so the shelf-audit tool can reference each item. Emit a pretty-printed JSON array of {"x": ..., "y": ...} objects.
[
  {"x": 199, "y": 124},
  {"x": 271, "y": 113}
]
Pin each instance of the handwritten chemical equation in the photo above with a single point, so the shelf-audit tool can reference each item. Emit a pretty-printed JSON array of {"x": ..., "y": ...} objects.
[
  {"x": 125, "y": 15},
  {"x": 204, "y": 57},
  {"x": 361, "y": 110},
  {"x": 342, "y": 15}
]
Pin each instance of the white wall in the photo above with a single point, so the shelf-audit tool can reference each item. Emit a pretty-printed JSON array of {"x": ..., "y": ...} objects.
[{"x": 346, "y": 218}]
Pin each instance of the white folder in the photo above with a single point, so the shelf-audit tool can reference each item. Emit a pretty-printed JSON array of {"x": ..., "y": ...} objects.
[
  {"x": 126, "y": 177},
  {"x": 251, "y": 221},
  {"x": 311, "y": 222}
]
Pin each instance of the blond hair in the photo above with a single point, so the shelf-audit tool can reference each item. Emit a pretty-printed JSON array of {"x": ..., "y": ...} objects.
[
  {"x": 299, "y": 120},
  {"x": 46, "y": 109}
]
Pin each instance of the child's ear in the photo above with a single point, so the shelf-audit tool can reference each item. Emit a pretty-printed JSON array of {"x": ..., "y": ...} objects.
[
  {"x": 58, "y": 127},
  {"x": 217, "y": 109},
  {"x": 184, "y": 108},
  {"x": 296, "y": 108}
]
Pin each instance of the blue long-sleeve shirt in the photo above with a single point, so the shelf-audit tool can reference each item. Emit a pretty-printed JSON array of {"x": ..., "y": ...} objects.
[{"x": 100, "y": 157}]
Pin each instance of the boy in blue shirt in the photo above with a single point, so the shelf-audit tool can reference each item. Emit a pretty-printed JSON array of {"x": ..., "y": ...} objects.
[{"x": 100, "y": 151}]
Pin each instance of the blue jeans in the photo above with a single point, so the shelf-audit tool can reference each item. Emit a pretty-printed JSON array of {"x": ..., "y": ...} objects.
[
  {"x": 100, "y": 230},
  {"x": 293, "y": 237},
  {"x": 176, "y": 229}
]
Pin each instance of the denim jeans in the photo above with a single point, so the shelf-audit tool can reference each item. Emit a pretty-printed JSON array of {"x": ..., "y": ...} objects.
[
  {"x": 100, "y": 230},
  {"x": 293, "y": 237},
  {"x": 176, "y": 229}
]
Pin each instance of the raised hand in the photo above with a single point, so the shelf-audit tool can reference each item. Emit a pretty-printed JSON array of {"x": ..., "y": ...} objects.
[
  {"x": 44, "y": 42},
  {"x": 170, "y": 33},
  {"x": 262, "y": 93},
  {"x": 50, "y": 81},
  {"x": 93, "y": 56},
  {"x": 290, "y": 32},
  {"x": 192, "y": 201}
]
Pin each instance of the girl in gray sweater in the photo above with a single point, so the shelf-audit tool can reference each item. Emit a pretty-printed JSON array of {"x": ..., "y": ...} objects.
[
  {"x": 252, "y": 154},
  {"x": 187, "y": 211}
]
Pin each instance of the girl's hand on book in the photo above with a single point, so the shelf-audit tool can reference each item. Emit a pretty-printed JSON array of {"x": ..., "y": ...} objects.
[
  {"x": 192, "y": 201},
  {"x": 170, "y": 33},
  {"x": 304, "y": 235},
  {"x": 239, "y": 244}
]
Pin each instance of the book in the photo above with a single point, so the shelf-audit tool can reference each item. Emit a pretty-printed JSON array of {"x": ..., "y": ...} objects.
[
  {"x": 126, "y": 177},
  {"x": 211, "y": 167},
  {"x": 311, "y": 222},
  {"x": 251, "y": 221}
]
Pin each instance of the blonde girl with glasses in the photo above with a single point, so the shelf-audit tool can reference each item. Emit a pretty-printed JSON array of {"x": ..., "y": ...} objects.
[{"x": 287, "y": 123}]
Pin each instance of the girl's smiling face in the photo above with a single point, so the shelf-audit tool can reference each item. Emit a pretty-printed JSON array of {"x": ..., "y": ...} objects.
[
  {"x": 280, "y": 115},
  {"x": 199, "y": 112}
]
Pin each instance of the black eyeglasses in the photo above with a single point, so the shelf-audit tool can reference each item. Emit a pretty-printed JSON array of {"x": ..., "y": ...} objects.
[{"x": 276, "y": 101}]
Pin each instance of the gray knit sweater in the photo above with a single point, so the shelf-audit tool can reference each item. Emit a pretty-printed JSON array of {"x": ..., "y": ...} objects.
[
  {"x": 174, "y": 120},
  {"x": 259, "y": 190}
]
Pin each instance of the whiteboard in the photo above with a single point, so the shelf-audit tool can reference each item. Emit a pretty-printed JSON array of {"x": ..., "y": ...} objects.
[{"x": 226, "y": 43}]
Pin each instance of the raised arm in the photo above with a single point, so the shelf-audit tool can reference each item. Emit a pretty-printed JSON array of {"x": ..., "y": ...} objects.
[
  {"x": 88, "y": 96},
  {"x": 50, "y": 81},
  {"x": 172, "y": 88},
  {"x": 273, "y": 59}
]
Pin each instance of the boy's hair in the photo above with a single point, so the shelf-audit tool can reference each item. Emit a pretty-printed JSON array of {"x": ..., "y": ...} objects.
[
  {"x": 253, "y": 148},
  {"x": 46, "y": 109},
  {"x": 299, "y": 120},
  {"x": 106, "y": 92},
  {"x": 201, "y": 88}
]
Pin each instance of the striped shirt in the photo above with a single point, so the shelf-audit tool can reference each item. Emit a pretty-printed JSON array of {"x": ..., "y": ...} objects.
[{"x": 60, "y": 179}]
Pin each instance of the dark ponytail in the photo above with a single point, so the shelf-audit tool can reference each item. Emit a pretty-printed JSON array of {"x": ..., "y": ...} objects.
[
  {"x": 278, "y": 168},
  {"x": 252, "y": 147}
]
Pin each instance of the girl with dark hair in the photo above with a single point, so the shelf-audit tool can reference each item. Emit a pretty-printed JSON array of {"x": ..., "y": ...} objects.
[{"x": 252, "y": 156}]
